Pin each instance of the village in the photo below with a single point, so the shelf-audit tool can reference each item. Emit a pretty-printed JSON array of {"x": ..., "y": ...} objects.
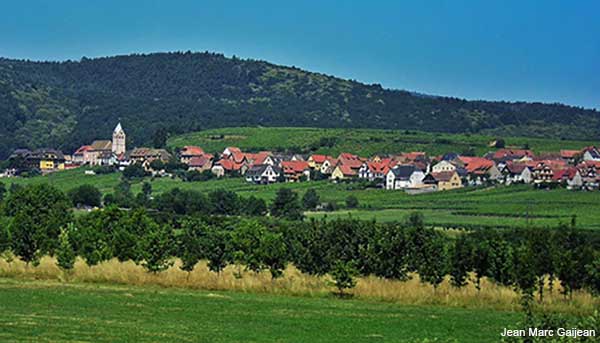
[{"x": 412, "y": 172}]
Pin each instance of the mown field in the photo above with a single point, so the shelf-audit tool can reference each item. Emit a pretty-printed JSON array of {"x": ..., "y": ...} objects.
[
  {"x": 365, "y": 142},
  {"x": 514, "y": 206},
  {"x": 47, "y": 311}
]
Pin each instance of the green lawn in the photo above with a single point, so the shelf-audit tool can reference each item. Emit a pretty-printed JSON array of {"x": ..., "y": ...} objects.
[
  {"x": 53, "y": 312},
  {"x": 502, "y": 206},
  {"x": 365, "y": 142}
]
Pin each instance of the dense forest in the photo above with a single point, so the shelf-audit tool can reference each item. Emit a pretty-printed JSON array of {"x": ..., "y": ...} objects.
[{"x": 65, "y": 104}]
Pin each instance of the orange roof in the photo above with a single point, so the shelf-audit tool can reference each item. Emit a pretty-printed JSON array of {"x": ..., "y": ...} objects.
[
  {"x": 476, "y": 164},
  {"x": 191, "y": 150},
  {"x": 350, "y": 160},
  {"x": 258, "y": 158},
  {"x": 229, "y": 164},
  {"x": 565, "y": 173},
  {"x": 347, "y": 170},
  {"x": 320, "y": 158},
  {"x": 82, "y": 149},
  {"x": 293, "y": 167},
  {"x": 198, "y": 161},
  {"x": 512, "y": 152},
  {"x": 569, "y": 153},
  {"x": 378, "y": 167}
]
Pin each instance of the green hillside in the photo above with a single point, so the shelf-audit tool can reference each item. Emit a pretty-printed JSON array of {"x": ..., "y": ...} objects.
[
  {"x": 66, "y": 104},
  {"x": 53, "y": 312},
  {"x": 365, "y": 142}
]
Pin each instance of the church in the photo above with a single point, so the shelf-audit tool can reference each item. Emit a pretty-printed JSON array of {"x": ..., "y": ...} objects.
[{"x": 103, "y": 152}]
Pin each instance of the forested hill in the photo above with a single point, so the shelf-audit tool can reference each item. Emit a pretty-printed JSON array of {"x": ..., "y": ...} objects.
[{"x": 65, "y": 104}]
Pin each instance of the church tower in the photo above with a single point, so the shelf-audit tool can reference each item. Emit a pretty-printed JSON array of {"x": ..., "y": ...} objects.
[{"x": 118, "y": 140}]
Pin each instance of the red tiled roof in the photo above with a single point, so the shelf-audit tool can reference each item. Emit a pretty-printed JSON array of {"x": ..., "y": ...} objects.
[
  {"x": 347, "y": 170},
  {"x": 198, "y": 161},
  {"x": 569, "y": 153},
  {"x": 378, "y": 167},
  {"x": 82, "y": 149},
  {"x": 512, "y": 152},
  {"x": 229, "y": 164},
  {"x": 568, "y": 173},
  {"x": 294, "y": 167},
  {"x": 476, "y": 164},
  {"x": 320, "y": 158},
  {"x": 191, "y": 150},
  {"x": 350, "y": 160}
]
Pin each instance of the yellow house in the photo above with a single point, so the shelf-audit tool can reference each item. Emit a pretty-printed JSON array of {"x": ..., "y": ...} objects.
[
  {"x": 342, "y": 172},
  {"x": 46, "y": 165},
  {"x": 444, "y": 180}
]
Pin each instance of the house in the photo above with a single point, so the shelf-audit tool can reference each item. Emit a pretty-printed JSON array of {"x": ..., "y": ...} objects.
[
  {"x": 480, "y": 170},
  {"x": 569, "y": 177},
  {"x": 316, "y": 161},
  {"x": 46, "y": 160},
  {"x": 374, "y": 170},
  {"x": 544, "y": 170},
  {"x": 295, "y": 171},
  {"x": 143, "y": 155},
  {"x": 589, "y": 174},
  {"x": 328, "y": 166},
  {"x": 517, "y": 173},
  {"x": 570, "y": 156},
  {"x": 443, "y": 166},
  {"x": 512, "y": 154},
  {"x": 404, "y": 176},
  {"x": 260, "y": 158},
  {"x": 188, "y": 152},
  {"x": 99, "y": 153},
  {"x": 79, "y": 156},
  {"x": 263, "y": 174},
  {"x": 343, "y": 172},
  {"x": 200, "y": 163},
  {"x": 442, "y": 181},
  {"x": 591, "y": 153},
  {"x": 230, "y": 151},
  {"x": 350, "y": 160},
  {"x": 226, "y": 167}
]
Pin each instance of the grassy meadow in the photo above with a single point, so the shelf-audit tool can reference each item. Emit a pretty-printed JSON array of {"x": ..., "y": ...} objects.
[
  {"x": 514, "y": 206},
  {"x": 50, "y": 311},
  {"x": 364, "y": 142}
]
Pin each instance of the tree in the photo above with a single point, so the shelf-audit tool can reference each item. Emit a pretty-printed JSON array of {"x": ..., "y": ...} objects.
[
  {"x": 433, "y": 263},
  {"x": 156, "y": 249},
  {"x": 351, "y": 202},
  {"x": 273, "y": 253},
  {"x": 415, "y": 220},
  {"x": 85, "y": 195},
  {"x": 192, "y": 243},
  {"x": 38, "y": 212},
  {"x": 157, "y": 165},
  {"x": 253, "y": 206},
  {"x": 134, "y": 170},
  {"x": 286, "y": 205},
  {"x": 65, "y": 254},
  {"x": 311, "y": 199},
  {"x": 343, "y": 275},
  {"x": 247, "y": 241},
  {"x": 159, "y": 138},
  {"x": 2, "y": 191},
  {"x": 224, "y": 202},
  {"x": 218, "y": 249},
  {"x": 461, "y": 260}
]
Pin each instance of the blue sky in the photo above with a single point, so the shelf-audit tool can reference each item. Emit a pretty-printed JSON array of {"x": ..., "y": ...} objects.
[{"x": 513, "y": 50}]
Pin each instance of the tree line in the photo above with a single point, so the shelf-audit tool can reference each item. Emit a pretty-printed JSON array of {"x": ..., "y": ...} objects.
[{"x": 38, "y": 220}]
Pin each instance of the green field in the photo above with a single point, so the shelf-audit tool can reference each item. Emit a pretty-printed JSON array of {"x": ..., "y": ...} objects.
[
  {"x": 365, "y": 142},
  {"x": 514, "y": 206},
  {"x": 44, "y": 311}
]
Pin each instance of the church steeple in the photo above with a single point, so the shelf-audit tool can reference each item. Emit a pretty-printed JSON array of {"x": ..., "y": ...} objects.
[{"x": 118, "y": 140}]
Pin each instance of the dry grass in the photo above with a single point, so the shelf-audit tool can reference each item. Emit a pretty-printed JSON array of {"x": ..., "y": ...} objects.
[{"x": 411, "y": 292}]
